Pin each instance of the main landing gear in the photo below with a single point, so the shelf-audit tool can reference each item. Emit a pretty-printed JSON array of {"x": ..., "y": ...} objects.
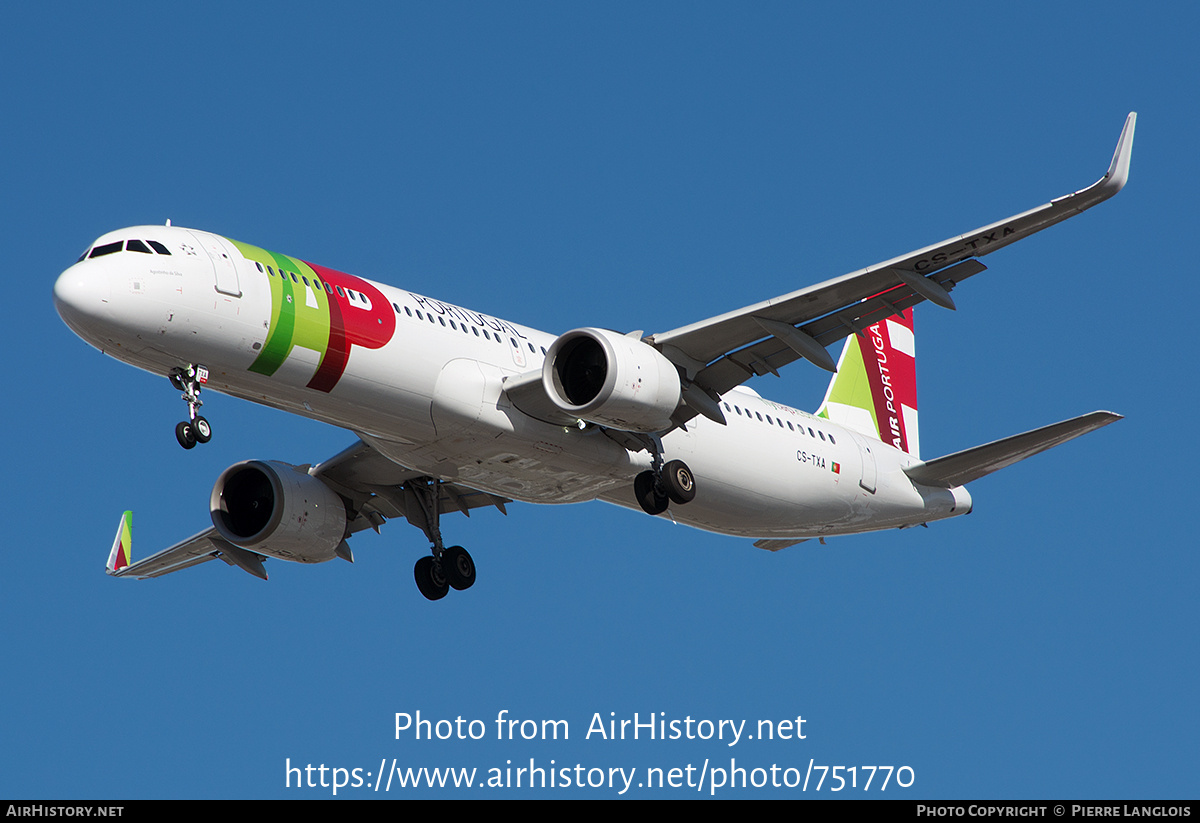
[
  {"x": 657, "y": 488},
  {"x": 445, "y": 569},
  {"x": 195, "y": 429}
]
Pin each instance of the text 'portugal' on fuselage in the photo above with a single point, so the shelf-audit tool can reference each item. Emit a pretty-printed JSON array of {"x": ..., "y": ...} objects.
[{"x": 456, "y": 409}]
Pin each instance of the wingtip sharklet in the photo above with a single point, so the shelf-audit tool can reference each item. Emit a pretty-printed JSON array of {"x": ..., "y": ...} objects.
[
  {"x": 1118, "y": 169},
  {"x": 121, "y": 554}
]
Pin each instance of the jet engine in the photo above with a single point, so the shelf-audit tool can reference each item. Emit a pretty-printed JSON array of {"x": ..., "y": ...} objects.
[
  {"x": 277, "y": 509},
  {"x": 612, "y": 380}
]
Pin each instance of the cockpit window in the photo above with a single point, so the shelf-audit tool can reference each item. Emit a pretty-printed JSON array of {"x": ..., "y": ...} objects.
[
  {"x": 107, "y": 248},
  {"x": 142, "y": 246}
]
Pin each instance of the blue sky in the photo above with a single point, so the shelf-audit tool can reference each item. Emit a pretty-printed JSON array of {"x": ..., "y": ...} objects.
[{"x": 615, "y": 165}]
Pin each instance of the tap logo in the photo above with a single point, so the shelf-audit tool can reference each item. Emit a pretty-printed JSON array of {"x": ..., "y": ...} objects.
[{"x": 321, "y": 309}]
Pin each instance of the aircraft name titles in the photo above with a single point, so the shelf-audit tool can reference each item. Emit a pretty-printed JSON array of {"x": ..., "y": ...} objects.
[{"x": 464, "y": 315}]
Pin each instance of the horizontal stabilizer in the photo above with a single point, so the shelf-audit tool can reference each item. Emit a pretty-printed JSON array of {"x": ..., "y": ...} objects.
[{"x": 962, "y": 467}]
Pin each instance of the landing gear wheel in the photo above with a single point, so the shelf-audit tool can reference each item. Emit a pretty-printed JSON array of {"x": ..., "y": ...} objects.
[
  {"x": 431, "y": 580},
  {"x": 185, "y": 435},
  {"x": 679, "y": 482},
  {"x": 460, "y": 568},
  {"x": 202, "y": 430},
  {"x": 649, "y": 496}
]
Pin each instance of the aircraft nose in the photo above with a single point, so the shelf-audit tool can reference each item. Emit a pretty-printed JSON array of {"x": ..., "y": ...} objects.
[{"x": 81, "y": 296}]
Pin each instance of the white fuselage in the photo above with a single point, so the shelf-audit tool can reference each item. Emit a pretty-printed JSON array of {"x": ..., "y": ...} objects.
[{"x": 431, "y": 397}]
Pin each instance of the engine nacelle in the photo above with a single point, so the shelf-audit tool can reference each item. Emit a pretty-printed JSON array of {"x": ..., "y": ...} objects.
[
  {"x": 276, "y": 509},
  {"x": 611, "y": 380}
]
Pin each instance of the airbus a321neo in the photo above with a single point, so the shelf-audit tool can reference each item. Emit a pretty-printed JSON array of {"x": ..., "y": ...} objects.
[{"x": 455, "y": 409}]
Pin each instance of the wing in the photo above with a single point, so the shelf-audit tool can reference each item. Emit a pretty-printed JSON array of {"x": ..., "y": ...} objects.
[
  {"x": 724, "y": 351},
  {"x": 199, "y": 548},
  {"x": 373, "y": 487},
  {"x": 379, "y": 489}
]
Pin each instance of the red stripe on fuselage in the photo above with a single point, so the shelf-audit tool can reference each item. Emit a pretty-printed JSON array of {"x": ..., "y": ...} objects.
[{"x": 350, "y": 325}]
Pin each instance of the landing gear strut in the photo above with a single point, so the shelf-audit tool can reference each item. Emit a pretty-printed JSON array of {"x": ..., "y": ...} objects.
[
  {"x": 446, "y": 568},
  {"x": 658, "y": 487},
  {"x": 195, "y": 429}
]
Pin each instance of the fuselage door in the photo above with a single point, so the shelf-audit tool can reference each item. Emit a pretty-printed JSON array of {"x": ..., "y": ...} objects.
[
  {"x": 221, "y": 258},
  {"x": 866, "y": 452}
]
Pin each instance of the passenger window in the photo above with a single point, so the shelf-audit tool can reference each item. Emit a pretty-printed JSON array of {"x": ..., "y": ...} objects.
[
  {"x": 260, "y": 268},
  {"x": 340, "y": 292}
]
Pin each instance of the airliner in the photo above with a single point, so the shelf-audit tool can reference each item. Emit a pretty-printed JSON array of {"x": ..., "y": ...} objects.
[{"x": 455, "y": 409}]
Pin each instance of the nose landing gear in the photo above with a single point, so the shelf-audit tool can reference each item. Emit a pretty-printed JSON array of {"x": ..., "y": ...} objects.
[{"x": 195, "y": 429}]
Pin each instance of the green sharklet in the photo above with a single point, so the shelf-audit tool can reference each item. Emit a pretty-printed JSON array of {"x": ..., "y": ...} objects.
[{"x": 299, "y": 313}]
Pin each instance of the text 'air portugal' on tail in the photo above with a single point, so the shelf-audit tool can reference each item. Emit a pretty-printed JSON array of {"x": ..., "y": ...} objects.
[{"x": 874, "y": 391}]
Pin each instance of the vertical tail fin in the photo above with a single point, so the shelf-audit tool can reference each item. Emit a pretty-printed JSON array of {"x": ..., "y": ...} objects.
[
  {"x": 875, "y": 389},
  {"x": 122, "y": 552}
]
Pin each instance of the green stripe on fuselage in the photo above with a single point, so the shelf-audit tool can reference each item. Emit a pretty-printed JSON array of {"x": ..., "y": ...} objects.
[
  {"x": 293, "y": 321},
  {"x": 312, "y": 321}
]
